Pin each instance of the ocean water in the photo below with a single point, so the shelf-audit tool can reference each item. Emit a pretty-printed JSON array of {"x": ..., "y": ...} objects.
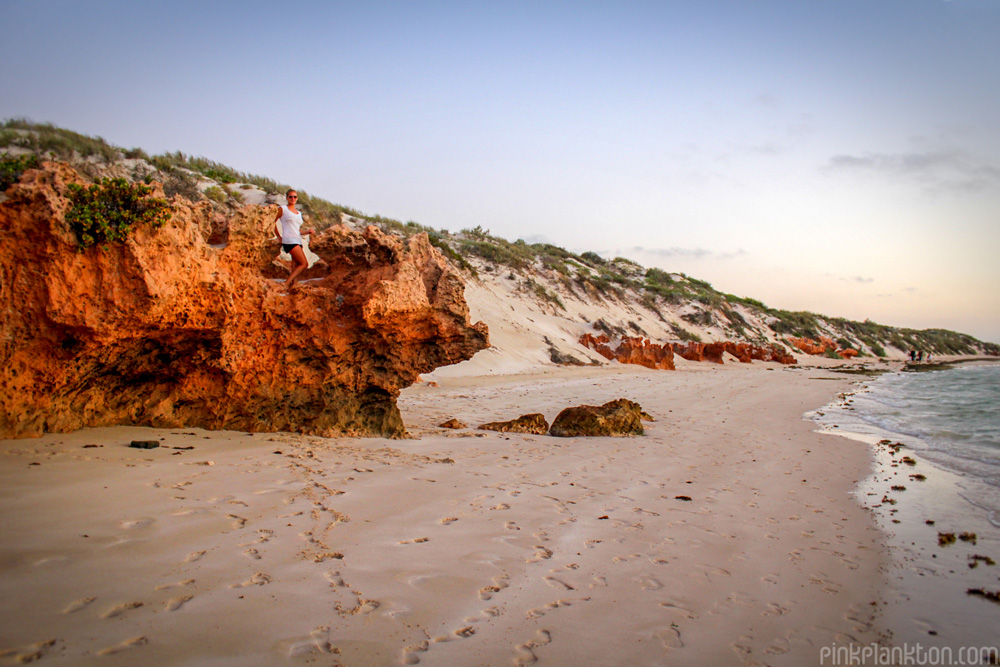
[
  {"x": 949, "y": 417},
  {"x": 948, "y": 421}
]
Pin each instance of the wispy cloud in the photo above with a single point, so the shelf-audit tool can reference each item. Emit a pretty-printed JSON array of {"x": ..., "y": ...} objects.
[
  {"x": 861, "y": 280},
  {"x": 684, "y": 253},
  {"x": 906, "y": 291},
  {"x": 949, "y": 170}
]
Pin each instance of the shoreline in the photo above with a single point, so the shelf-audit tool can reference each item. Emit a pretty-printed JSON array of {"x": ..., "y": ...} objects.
[
  {"x": 927, "y": 600},
  {"x": 456, "y": 547}
]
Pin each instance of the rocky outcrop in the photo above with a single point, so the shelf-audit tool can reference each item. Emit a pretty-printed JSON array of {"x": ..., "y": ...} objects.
[
  {"x": 618, "y": 418},
  {"x": 632, "y": 350},
  {"x": 822, "y": 346},
  {"x": 810, "y": 346},
  {"x": 748, "y": 352},
  {"x": 534, "y": 424},
  {"x": 166, "y": 330},
  {"x": 711, "y": 352}
]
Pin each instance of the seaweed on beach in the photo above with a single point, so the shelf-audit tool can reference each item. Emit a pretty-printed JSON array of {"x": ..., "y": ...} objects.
[
  {"x": 992, "y": 596},
  {"x": 976, "y": 559}
]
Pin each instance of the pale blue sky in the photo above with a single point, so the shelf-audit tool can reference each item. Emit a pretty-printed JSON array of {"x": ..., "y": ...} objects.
[{"x": 839, "y": 156}]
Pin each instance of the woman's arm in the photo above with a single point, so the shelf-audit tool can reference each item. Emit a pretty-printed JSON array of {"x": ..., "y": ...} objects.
[{"x": 277, "y": 222}]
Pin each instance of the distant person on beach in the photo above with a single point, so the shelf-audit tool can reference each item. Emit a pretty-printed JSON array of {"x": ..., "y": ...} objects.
[
  {"x": 288, "y": 226},
  {"x": 920, "y": 355},
  {"x": 913, "y": 355}
]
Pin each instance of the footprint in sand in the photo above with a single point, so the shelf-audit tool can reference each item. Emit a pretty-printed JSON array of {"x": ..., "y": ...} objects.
[
  {"x": 541, "y": 611},
  {"x": 178, "y": 584},
  {"x": 173, "y": 604},
  {"x": 449, "y": 520},
  {"x": 670, "y": 637},
  {"x": 775, "y": 609},
  {"x": 124, "y": 646},
  {"x": 499, "y": 583},
  {"x": 650, "y": 584},
  {"x": 29, "y": 653},
  {"x": 258, "y": 579},
  {"x": 541, "y": 553},
  {"x": 678, "y": 609},
  {"x": 131, "y": 524},
  {"x": 778, "y": 647},
  {"x": 510, "y": 525},
  {"x": 485, "y": 614},
  {"x": 120, "y": 609},
  {"x": 194, "y": 556},
  {"x": 238, "y": 521},
  {"x": 411, "y": 653},
  {"x": 558, "y": 583},
  {"x": 252, "y": 554},
  {"x": 189, "y": 512},
  {"x": 624, "y": 559},
  {"x": 318, "y": 642},
  {"x": 77, "y": 605},
  {"x": 335, "y": 579},
  {"x": 526, "y": 651}
]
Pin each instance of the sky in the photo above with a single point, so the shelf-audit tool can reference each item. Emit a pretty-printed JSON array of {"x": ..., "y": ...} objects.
[{"x": 835, "y": 156}]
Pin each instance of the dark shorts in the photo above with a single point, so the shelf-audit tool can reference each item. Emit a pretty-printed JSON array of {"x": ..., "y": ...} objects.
[{"x": 287, "y": 247}]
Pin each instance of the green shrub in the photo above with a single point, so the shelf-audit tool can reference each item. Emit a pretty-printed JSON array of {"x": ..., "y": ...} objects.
[
  {"x": 108, "y": 210},
  {"x": 12, "y": 167},
  {"x": 683, "y": 334},
  {"x": 658, "y": 277},
  {"x": 47, "y": 139},
  {"x": 215, "y": 193},
  {"x": 450, "y": 253}
]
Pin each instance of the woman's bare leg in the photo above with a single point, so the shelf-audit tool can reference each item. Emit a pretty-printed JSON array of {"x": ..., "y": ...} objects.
[{"x": 299, "y": 262}]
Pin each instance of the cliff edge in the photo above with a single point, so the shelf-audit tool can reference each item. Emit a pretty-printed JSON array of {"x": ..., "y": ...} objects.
[{"x": 165, "y": 329}]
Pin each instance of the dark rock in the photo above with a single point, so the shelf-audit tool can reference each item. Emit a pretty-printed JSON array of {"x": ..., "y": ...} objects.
[
  {"x": 144, "y": 444},
  {"x": 618, "y": 418},
  {"x": 534, "y": 423}
]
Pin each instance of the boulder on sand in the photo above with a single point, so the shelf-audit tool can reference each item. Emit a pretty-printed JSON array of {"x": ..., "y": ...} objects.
[
  {"x": 534, "y": 423},
  {"x": 618, "y": 418}
]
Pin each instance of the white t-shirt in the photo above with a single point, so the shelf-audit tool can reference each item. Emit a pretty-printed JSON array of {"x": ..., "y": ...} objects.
[{"x": 290, "y": 224}]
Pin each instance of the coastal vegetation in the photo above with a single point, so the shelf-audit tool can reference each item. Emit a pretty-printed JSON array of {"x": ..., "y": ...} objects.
[
  {"x": 688, "y": 307},
  {"x": 106, "y": 212}
]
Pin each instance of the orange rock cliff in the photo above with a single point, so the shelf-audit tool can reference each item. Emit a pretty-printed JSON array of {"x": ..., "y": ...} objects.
[{"x": 166, "y": 330}]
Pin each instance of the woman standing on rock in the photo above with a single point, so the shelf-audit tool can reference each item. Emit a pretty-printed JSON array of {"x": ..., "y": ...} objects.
[{"x": 290, "y": 221}]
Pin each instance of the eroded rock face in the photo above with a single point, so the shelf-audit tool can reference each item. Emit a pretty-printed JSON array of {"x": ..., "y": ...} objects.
[
  {"x": 618, "y": 418},
  {"x": 534, "y": 423},
  {"x": 167, "y": 330},
  {"x": 632, "y": 350}
]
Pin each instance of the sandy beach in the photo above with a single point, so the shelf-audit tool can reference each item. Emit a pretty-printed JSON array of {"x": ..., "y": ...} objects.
[{"x": 726, "y": 535}]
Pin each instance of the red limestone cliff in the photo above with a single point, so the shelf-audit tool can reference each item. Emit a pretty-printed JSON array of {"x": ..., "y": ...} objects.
[
  {"x": 167, "y": 330},
  {"x": 632, "y": 350}
]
